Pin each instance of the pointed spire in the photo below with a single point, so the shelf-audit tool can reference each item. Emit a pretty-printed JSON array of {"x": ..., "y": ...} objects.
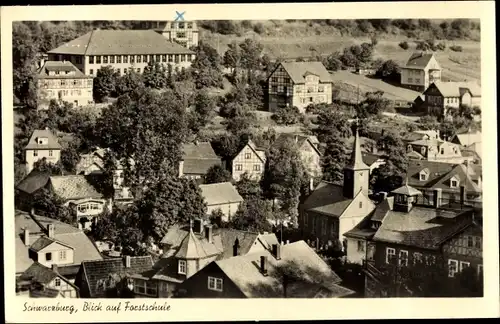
[{"x": 356, "y": 162}]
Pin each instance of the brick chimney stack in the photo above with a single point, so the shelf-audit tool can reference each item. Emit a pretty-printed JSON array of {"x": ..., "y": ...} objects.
[
  {"x": 26, "y": 236},
  {"x": 263, "y": 265},
  {"x": 277, "y": 251},
  {"x": 50, "y": 230},
  {"x": 208, "y": 233},
  {"x": 438, "y": 194}
]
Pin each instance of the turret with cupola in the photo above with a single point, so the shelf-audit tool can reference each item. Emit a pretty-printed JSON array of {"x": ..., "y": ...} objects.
[{"x": 405, "y": 197}]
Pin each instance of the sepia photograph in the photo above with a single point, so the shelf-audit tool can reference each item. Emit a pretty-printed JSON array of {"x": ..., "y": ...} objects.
[{"x": 261, "y": 158}]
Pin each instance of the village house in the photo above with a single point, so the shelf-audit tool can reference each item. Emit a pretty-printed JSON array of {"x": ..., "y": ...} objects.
[
  {"x": 471, "y": 143},
  {"x": 189, "y": 249},
  {"x": 450, "y": 178},
  {"x": 436, "y": 150},
  {"x": 332, "y": 209},
  {"x": 183, "y": 32},
  {"x": 250, "y": 160},
  {"x": 115, "y": 277},
  {"x": 123, "y": 50},
  {"x": 443, "y": 97},
  {"x": 419, "y": 135},
  {"x": 50, "y": 242},
  {"x": 373, "y": 160},
  {"x": 282, "y": 271},
  {"x": 42, "y": 144},
  {"x": 298, "y": 84},
  {"x": 403, "y": 233},
  {"x": 39, "y": 278},
  {"x": 63, "y": 82},
  {"x": 309, "y": 150},
  {"x": 197, "y": 159},
  {"x": 221, "y": 196},
  {"x": 420, "y": 71}
]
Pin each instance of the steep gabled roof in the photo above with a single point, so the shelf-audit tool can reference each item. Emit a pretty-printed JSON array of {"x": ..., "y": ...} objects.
[
  {"x": 113, "y": 42},
  {"x": 52, "y": 142},
  {"x": 34, "y": 181},
  {"x": 298, "y": 70},
  {"x": 220, "y": 193},
  {"x": 45, "y": 241},
  {"x": 39, "y": 273},
  {"x": 260, "y": 153},
  {"x": 467, "y": 139},
  {"x": 328, "y": 199},
  {"x": 60, "y": 66},
  {"x": 419, "y": 60},
  {"x": 72, "y": 187},
  {"x": 194, "y": 248}
]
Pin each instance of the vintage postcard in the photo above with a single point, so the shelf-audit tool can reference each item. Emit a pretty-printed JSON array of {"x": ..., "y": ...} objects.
[{"x": 309, "y": 161}]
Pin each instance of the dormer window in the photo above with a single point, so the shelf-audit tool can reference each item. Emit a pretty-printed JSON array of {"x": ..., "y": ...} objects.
[
  {"x": 182, "y": 267},
  {"x": 454, "y": 183},
  {"x": 42, "y": 140},
  {"x": 409, "y": 148},
  {"x": 442, "y": 150},
  {"x": 423, "y": 177}
]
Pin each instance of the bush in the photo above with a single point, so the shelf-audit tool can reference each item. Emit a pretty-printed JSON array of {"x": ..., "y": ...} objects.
[
  {"x": 456, "y": 48},
  {"x": 247, "y": 24},
  {"x": 404, "y": 45},
  {"x": 258, "y": 28},
  {"x": 288, "y": 116},
  {"x": 441, "y": 46}
]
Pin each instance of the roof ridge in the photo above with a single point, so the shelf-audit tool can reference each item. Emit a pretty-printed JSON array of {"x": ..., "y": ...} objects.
[{"x": 88, "y": 43}]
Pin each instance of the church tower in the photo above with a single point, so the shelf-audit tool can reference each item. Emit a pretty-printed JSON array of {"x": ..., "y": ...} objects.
[{"x": 356, "y": 172}]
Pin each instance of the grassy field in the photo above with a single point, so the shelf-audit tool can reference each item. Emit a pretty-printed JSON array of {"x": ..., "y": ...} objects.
[{"x": 298, "y": 39}]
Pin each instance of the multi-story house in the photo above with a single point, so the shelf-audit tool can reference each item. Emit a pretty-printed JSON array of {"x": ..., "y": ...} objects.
[
  {"x": 42, "y": 144},
  {"x": 51, "y": 242},
  {"x": 309, "y": 150},
  {"x": 63, "y": 82},
  {"x": 221, "y": 196},
  {"x": 443, "y": 97},
  {"x": 188, "y": 250},
  {"x": 471, "y": 143},
  {"x": 41, "y": 278},
  {"x": 373, "y": 160},
  {"x": 121, "y": 49},
  {"x": 281, "y": 271},
  {"x": 115, "y": 277},
  {"x": 402, "y": 233},
  {"x": 436, "y": 150},
  {"x": 420, "y": 71},
  {"x": 250, "y": 160},
  {"x": 183, "y": 32},
  {"x": 332, "y": 209},
  {"x": 197, "y": 159},
  {"x": 450, "y": 178},
  {"x": 298, "y": 84}
]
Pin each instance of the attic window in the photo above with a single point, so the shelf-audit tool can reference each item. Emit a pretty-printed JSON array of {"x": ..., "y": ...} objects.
[
  {"x": 454, "y": 183},
  {"x": 423, "y": 176}
]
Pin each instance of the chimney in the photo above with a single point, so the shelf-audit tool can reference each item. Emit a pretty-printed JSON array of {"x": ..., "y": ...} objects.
[
  {"x": 437, "y": 197},
  {"x": 54, "y": 267},
  {"x": 127, "y": 261},
  {"x": 311, "y": 184},
  {"x": 277, "y": 251},
  {"x": 32, "y": 212},
  {"x": 208, "y": 233},
  {"x": 287, "y": 241},
  {"x": 236, "y": 247},
  {"x": 197, "y": 226},
  {"x": 50, "y": 230},
  {"x": 263, "y": 265},
  {"x": 181, "y": 168},
  {"x": 462, "y": 195},
  {"x": 26, "y": 236},
  {"x": 384, "y": 195}
]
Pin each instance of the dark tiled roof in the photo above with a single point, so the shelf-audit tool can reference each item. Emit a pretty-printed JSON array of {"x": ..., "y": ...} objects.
[
  {"x": 39, "y": 273},
  {"x": 96, "y": 271},
  {"x": 193, "y": 247},
  {"x": 220, "y": 193},
  {"x": 73, "y": 187},
  {"x": 311, "y": 274},
  {"x": 328, "y": 199},
  {"x": 422, "y": 227},
  {"x": 199, "y": 157},
  {"x": 44, "y": 293},
  {"x": 406, "y": 190},
  {"x": 298, "y": 70},
  {"x": 60, "y": 66},
  {"x": 87, "y": 160},
  {"x": 382, "y": 209},
  {"x": 419, "y": 60},
  {"x": 52, "y": 142},
  {"x": 199, "y": 166},
  {"x": 114, "y": 42},
  {"x": 370, "y": 158},
  {"x": 229, "y": 236},
  {"x": 42, "y": 243},
  {"x": 34, "y": 181}
]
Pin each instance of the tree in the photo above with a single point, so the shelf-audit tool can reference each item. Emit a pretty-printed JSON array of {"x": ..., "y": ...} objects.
[
  {"x": 207, "y": 67},
  {"x": 334, "y": 159},
  {"x": 373, "y": 105},
  {"x": 251, "y": 51},
  {"x": 155, "y": 75},
  {"x": 333, "y": 62},
  {"x": 288, "y": 115},
  {"x": 248, "y": 188},
  {"x": 389, "y": 70},
  {"x": 217, "y": 174},
  {"x": 332, "y": 124},
  {"x": 204, "y": 106},
  {"x": 390, "y": 175},
  {"x": 404, "y": 45},
  {"x": 253, "y": 215},
  {"x": 105, "y": 83},
  {"x": 227, "y": 146},
  {"x": 232, "y": 58},
  {"x": 43, "y": 166},
  {"x": 130, "y": 81},
  {"x": 47, "y": 203}
]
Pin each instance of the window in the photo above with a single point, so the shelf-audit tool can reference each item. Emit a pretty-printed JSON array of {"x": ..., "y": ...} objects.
[
  {"x": 48, "y": 256},
  {"x": 91, "y": 71},
  {"x": 181, "y": 35},
  {"x": 170, "y": 57},
  {"x": 125, "y": 58},
  {"x": 470, "y": 241},
  {"x": 144, "y": 59},
  {"x": 452, "y": 268},
  {"x": 189, "y": 58},
  {"x": 91, "y": 60},
  {"x": 248, "y": 156},
  {"x": 98, "y": 59},
  {"x": 332, "y": 228},
  {"x": 75, "y": 82},
  {"x": 57, "y": 282},
  {"x": 181, "y": 25},
  {"x": 50, "y": 152},
  {"x": 105, "y": 59},
  {"x": 157, "y": 58},
  {"x": 274, "y": 88},
  {"x": 410, "y": 80},
  {"x": 164, "y": 58},
  {"x": 321, "y": 89},
  {"x": 239, "y": 167},
  {"x": 417, "y": 80},
  {"x": 119, "y": 71},
  {"x": 360, "y": 204},
  {"x": 280, "y": 88},
  {"x": 323, "y": 226},
  {"x": 35, "y": 153},
  {"x": 182, "y": 266},
  {"x": 478, "y": 244},
  {"x": 138, "y": 59},
  {"x": 63, "y": 83},
  {"x": 423, "y": 177},
  {"x": 417, "y": 257},
  {"x": 389, "y": 255},
  {"x": 256, "y": 167},
  {"x": 132, "y": 58},
  {"x": 274, "y": 79},
  {"x": 215, "y": 284},
  {"x": 310, "y": 89},
  {"x": 183, "y": 58},
  {"x": 442, "y": 150},
  {"x": 464, "y": 265},
  {"x": 112, "y": 59},
  {"x": 190, "y": 25},
  {"x": 361, "y": 246},
  {"x": 403, "y": 258},
  {"x": 138, "y": 70},
  {"x": 119, "y": 59},
  {"x": 310, "y": 99},
  {"x": 453, "y": 183}
]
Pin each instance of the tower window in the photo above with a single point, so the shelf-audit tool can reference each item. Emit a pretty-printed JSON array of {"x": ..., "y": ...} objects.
[{"x": 360, "y": 204}]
